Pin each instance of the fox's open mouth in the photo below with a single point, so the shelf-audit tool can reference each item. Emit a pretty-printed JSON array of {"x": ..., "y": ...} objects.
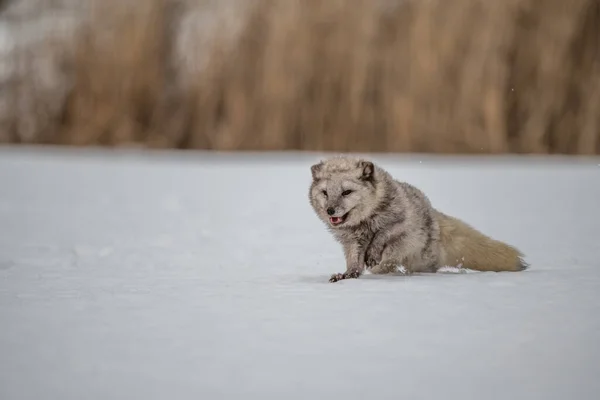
[{"x": 338, "y": 220}]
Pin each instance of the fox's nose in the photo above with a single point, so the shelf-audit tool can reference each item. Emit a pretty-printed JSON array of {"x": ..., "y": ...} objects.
[{"x": 330, "y": 211}]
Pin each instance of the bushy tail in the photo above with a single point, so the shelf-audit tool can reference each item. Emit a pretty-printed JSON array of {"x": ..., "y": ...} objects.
[{"x": 463, "y": 244}]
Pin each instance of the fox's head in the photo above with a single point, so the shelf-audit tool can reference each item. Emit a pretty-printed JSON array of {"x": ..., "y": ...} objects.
[{"x": 343, "y": 192}]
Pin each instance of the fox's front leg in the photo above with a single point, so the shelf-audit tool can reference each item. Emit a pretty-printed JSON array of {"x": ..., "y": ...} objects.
[
  {"x": 387, "y": 250},
  {"x": 374, "y": 251},
  {"x": 355, "y": 265}
]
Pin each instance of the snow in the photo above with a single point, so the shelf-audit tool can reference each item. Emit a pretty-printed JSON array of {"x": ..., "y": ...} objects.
[{"x": 194, "y": 275}]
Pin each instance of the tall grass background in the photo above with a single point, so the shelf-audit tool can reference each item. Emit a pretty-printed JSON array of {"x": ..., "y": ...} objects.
[{"x": 442, "y": 76}]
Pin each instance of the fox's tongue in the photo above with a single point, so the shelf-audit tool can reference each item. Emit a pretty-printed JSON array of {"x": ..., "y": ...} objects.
[{"x": 335, "y": 220}]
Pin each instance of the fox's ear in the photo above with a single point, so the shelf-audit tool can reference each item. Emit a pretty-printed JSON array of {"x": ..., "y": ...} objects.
[
  {"x": 367, "y": 169},
  {"x": 315, "y": 169}
]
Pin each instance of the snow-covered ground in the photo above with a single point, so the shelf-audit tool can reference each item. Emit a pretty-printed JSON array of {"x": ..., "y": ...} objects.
[{"x": 203, "y": 276}]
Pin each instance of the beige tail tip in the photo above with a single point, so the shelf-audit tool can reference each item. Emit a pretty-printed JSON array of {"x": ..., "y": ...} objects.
[{"x": 523, "y": 265}]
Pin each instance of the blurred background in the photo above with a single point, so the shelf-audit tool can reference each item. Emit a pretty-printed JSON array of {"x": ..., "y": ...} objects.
[{"x": 440, "y": 76}]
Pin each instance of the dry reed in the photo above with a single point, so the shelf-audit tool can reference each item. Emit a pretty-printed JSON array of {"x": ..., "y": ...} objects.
[{"x": 452, "y": 76}]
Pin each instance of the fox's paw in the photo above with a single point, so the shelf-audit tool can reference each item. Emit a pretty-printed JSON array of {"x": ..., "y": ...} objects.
[
  {"x": 373, "y": 256},
  {"x": 385, "y": 267},
  {"x": 354, "y": 274}
]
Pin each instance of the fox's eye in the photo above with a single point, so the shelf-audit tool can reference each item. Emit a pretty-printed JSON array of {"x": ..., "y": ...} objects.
[
  {"x": 324, "y": 193},
  {"x": 346, "y": 192}
]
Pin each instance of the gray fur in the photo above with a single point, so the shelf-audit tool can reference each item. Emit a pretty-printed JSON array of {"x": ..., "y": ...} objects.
[{"x": 387, "y": 223}]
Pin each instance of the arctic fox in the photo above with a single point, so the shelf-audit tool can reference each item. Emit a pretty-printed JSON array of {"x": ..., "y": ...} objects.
[{"x": 383, "y": 224}]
